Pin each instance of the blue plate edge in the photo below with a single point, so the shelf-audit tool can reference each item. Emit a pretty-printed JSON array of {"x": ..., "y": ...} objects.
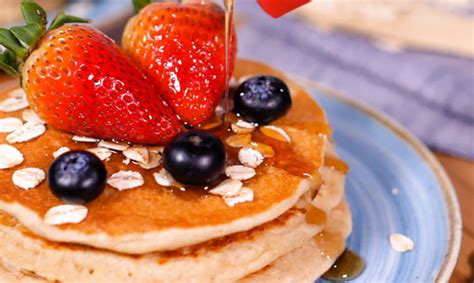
[{"x": 455, "y": 220}]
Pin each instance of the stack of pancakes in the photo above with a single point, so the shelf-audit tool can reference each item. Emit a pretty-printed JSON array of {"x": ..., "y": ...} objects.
[{"x": 293, "y": 230}]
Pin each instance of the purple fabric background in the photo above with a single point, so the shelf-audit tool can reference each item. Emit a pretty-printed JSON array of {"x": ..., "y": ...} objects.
[{"x": 430, "y": 94}]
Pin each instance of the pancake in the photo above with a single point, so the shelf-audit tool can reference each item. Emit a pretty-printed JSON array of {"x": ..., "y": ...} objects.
[
  {"x": 147, "y": 218},
  {"x": 315, "y": 257},
  {"x": 304, "y": 264},
  {"x": 225, "y": 259}
]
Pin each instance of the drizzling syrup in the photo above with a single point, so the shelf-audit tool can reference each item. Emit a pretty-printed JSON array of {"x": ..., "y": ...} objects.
[{"x": 229, "y": 23}]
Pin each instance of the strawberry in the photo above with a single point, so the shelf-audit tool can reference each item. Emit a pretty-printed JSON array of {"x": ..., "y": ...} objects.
[
  {"x": 181, "y": 47},
  {"x": 79, "y": 81}
]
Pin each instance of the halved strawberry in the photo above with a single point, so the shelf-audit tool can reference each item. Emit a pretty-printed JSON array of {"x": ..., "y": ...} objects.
[
  {"x": 78, "y": 80},
  {"x": 182, "y": 48}
]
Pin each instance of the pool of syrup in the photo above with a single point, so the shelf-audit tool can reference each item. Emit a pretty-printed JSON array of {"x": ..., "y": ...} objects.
[{"x": 348, "y": 266}]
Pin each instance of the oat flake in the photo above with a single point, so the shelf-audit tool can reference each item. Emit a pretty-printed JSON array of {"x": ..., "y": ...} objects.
[
  {"x": 27, "y": 132},
  {"x": 250, "y": 157},
  {"x": 137, "y": 153},
  {"x": 238, "y": 140},
  {"x": 84, "y": 139},
  {"x": 401, "y": 243},
  {"x": 156, "y": 149},
  {"x": 9, "y": 156},
  {"x": 113, "y": 145},
  {"x": 60, "y": 151},
  {"x": 264, "y": 149},
  {"x": 30, "y": 116},
  {"x": 229, "y": 187},
  {"x": 16, "y": 101},
  {"x": 164, "y": 178},
  {"x": 239, "y": 172},
  {"x": 66, "y": 213},
  {"x": 124, "y": 180},
  {"x": 276, "y": 133},
  {"x": 153, "y": 162},
  {"x": 244, "y": 195},
  {"x": 28, "y": 178},
  {"x": 101, "y": 152},
  {"x": 8, "y": 125},
  {"x": 242, "y": 127}
]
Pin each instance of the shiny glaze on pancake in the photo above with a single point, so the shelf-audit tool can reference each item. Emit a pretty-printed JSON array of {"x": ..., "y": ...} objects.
[{"x": 152, "y": 207}]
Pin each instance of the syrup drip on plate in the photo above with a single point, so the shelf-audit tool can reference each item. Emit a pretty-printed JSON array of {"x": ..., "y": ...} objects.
[
  {"x": 348, "y": 266},
  {"x": 229, "y": 23}
]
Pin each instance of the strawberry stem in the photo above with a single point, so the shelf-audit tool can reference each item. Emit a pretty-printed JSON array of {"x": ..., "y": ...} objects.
[
  {"x": 61, "y": 19},
  {"x": 33, "y": 13},
  {"x": 17, "y": 43},
  {"x": 29, "y": 33},
  {"x": 140, "y": 4},
  {"x": 10, "y": 42},
  {"x": 8, "y": 63}
]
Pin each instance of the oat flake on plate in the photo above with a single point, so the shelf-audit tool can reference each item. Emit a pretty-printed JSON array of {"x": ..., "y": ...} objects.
[
  {"x": 28, "y": 178},
  {"x": 8, "y": 125},
  {"x": 30, "y": 116},
  {"x": 401, "y": 243},
  {"x": 244, "y": 195},
  {"x": 250, "y": 157},
  {"x": 240, "y": 172},
  {"x": 101, "y": 152},
  {"x": 84, "y": 139},
  {"x": 27, "y": 132},
  {"x": 229, "y": 187},
  {"x": 66, "y": 213},
  {"x": 60, "y": 151},
  {"x": 9, "y": 156},
  {"x": 125, "y": 180},
  {"x": 164, "y": 178},
  {"x": 16, "y": 101}
]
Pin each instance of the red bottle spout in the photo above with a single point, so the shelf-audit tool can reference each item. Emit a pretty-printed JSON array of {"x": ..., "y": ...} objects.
[{"x": 277, "y": 8}]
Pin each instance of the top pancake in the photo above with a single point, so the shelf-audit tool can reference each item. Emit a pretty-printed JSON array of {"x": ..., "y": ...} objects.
[{"x": 153, "y": 218}]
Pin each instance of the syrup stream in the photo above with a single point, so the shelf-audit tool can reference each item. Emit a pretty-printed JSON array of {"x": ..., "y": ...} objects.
[{"x": 229, "y": 23}]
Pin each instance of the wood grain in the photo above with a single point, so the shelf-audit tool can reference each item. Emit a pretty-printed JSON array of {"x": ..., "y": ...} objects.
[{"x": 461, "y": 173}]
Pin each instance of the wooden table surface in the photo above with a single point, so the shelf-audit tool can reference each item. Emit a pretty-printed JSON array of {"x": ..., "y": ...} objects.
[{"x": 461, "y": 173}]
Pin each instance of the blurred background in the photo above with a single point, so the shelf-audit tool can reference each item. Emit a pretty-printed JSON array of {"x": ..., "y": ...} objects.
[{"x": 413, "y": 60}]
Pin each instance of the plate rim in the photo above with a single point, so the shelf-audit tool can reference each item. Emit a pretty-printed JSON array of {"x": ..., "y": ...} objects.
[{"x": 450, "y": 196}]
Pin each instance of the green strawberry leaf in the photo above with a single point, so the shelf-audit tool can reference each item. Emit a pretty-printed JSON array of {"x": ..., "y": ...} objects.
[
  {"x": 10, "y": 42},
  {"x": 33, "y": 13},
  {"x": 8, "y": 63},
  {"x": 140, "y": 4},
  {"x": 28, "y": 34},
  {"x": 62, "y": 19}
]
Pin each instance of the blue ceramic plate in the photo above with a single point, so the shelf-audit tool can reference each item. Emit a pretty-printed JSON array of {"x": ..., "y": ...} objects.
[{"x": 395, "y": 185}]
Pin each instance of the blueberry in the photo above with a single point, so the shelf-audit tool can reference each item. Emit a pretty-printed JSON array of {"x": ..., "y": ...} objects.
[
  {"x": 195, "y": 158},
  {"x": 262, "y": 99},
  {"x": 77, "y": 177}
]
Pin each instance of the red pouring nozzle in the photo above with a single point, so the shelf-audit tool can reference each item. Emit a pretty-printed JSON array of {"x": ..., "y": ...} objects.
[{"x": 277, "y": 8}]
